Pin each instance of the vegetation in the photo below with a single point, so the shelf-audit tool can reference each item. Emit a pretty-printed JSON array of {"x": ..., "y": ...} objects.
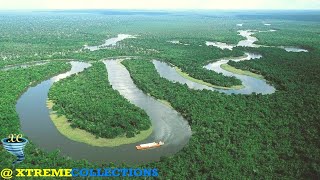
[
  {"x": 185, "y": 75},
  {"x": 234, "y": 136},
  {"x": 259, "y": 136},
  {"x": 227, "y": 67},
  {"x": 75, "y": 134},
  {"x": 67, "y": 34},
  {"x": 13, "y": 84},
  {"x": 191, "y": 59},
  {"x": 89, "y": 103}
]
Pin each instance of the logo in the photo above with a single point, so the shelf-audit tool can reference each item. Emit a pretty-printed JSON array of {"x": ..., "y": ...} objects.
[
  {"x": 15, "y": 144},
  {"x": 6, "y": 173},
  {"x": 14, "y": 138},
  {"x": 79, "y": 172}
]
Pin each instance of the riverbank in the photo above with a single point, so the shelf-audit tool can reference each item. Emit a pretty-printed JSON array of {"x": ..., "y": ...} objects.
[
  {"x": 185, "y": 75},
  {"x": 234, "y": 70},
  {"x": 79, "y": 135}
]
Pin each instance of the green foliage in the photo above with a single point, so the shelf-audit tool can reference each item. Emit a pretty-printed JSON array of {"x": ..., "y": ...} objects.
[
  {"x": 13, "y": 84},
  {"x": 90, "y": 103},
  {"x": 234, "y": 137},
  {"x": 256, "y": 136},
  {"x": 55, "y": 36}
]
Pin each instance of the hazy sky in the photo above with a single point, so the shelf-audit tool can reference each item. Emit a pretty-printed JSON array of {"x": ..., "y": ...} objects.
[{"x": 159, "y": 4}]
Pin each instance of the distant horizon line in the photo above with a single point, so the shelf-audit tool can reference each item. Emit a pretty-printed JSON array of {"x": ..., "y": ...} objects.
[{"x": 251, "y": 9}]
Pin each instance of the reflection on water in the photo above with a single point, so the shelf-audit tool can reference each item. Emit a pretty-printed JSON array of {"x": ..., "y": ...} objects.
[
  {"x": 249, "y": 42},
  {"x": 293, "y": 49},
  {"x": 270, "y": 30},
  {"x": 174, "y": 42},
  {"x": 36, "y": 124},
  {"x": 76, "y": 67},
  {"x": 252, "y": 85},
  {"x": 109, "y": 42},
  {"x": 169, "y": 125},
  {"x": 220, "y": 45}
]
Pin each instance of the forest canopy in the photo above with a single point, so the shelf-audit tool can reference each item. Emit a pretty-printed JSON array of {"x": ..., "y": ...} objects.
[{"x": 89, "y": 102}]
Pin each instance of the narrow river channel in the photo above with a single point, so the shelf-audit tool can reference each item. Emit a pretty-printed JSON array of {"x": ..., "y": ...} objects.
[
  {"x": 169, "y": 126},
  {"x": 251, "y": 84}
]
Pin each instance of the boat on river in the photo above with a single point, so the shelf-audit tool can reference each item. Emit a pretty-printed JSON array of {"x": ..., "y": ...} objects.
[{"x": 149, "y": 145}]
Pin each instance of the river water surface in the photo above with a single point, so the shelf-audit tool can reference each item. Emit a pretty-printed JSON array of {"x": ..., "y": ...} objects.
[
  {"x": 169, "y": 126},
  {"x": 251, "y": 84},
  {"x": 109, "y": 42},
  {"x": 293, "y": 49}
]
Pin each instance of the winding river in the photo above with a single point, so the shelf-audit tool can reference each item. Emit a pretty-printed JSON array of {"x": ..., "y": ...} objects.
[
  {"x": 251, "y": 84},
  {"x": 169, "y": 126},
  {"x": 250, "y": 42},
  {"x": 109, "y": 42}
]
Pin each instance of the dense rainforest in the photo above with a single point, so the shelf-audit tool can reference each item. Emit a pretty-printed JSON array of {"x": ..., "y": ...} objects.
[
  {"x": 234, "y": 136},
  {"x": 191, "y": 59},
  {"x": 13, "y": 84},
  {"x": 257, "y": 135},
  {"x": 89, "y": 102},
  {"x": 70, "y": 35}
]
